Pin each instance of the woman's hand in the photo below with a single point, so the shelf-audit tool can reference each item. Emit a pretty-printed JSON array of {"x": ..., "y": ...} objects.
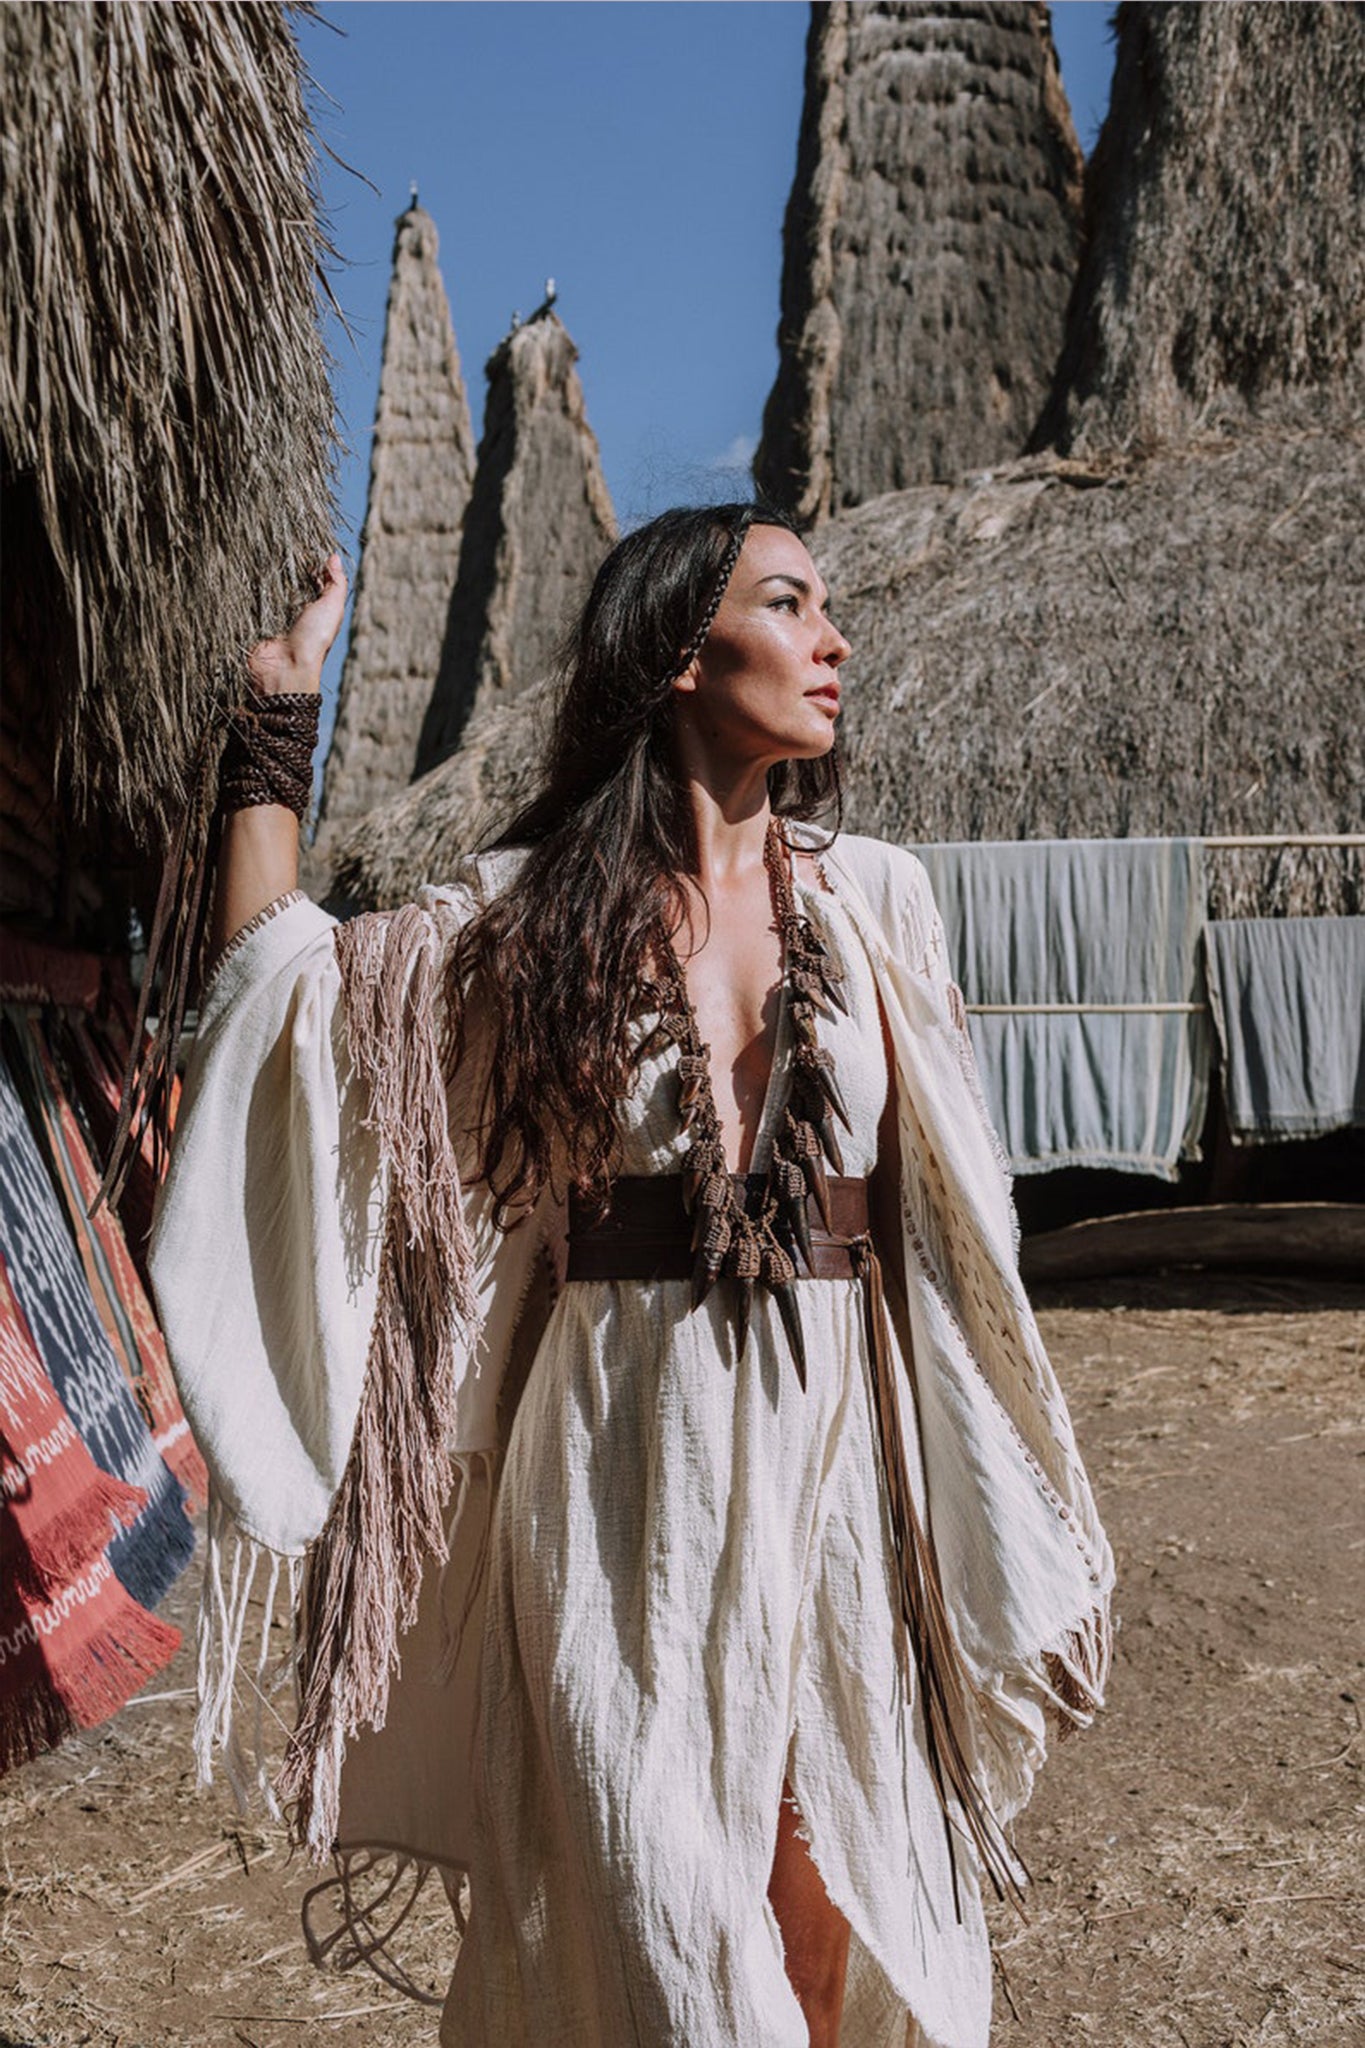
[
  {"x": 258, "y": 857},
  {"x": 294, "y": 661}
]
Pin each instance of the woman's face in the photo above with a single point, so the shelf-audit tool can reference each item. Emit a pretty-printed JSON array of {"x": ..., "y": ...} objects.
[{"x": 765, "y": 687}]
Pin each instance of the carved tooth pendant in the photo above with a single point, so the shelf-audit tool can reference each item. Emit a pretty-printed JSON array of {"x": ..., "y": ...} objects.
[
  {"x": 744, "y": 1296},
  {"x": 831, "y": 984},
  {"x": 800, "y": 1225},
  {"x": 813, "y": 1167},
  {"x": 833, "y": 1094},
  {"x": 789, "y": 1310}
]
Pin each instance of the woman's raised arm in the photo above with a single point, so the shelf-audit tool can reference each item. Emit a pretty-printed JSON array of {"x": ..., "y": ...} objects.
[{"x": 259, "y": 856}]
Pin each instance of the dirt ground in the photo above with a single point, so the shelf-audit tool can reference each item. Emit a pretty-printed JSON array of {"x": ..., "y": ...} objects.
[{"x": 1198, "y": 1857}]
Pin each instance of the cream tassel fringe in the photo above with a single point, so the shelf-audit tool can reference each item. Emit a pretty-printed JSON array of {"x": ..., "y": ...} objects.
[
  {"x": 239, "y": 1574},
  {"x": 363, "y": 1573}
]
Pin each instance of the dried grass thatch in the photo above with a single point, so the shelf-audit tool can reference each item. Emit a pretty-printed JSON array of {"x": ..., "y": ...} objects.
[
  {"x": 1167, "y": 647},
  {"x": 539, "y": 522},
  {"x": 929, "y": 247},
  {"x": 421, "y": 471},
  {"x": 1162, "y": 639},
  {"x": 165, "y": 412},
  {"x": 1224, "y": 274},
  {"x": 419, "y": 836},
  {"x": 1171, "y": 647}
]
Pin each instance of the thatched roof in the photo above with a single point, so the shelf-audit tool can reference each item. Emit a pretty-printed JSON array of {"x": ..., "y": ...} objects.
[
  {"x": 538, "y": 524},
  {"x": 421, "y": 471},
  {"x": 1163, "y": 639},
  {"x": 418, "y": 837},
  {"x": 1172, "y": 647},
  {"x": 1162, "y": 647},
  {"x": 1225, "y": 267},
  {"x": 165, "y": 415},
  {"x": 928, "y": 251}
]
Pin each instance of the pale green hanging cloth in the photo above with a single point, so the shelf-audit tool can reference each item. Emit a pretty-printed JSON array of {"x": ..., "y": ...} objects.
[{"x": 1079, "y": 963}]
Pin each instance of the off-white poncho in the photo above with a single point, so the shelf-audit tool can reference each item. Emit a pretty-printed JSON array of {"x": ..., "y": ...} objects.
[{"x": 668, "y": 1585}]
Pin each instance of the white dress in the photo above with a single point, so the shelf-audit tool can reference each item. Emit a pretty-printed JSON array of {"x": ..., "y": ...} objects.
[
  {"x": 690, "y": 1598},
  {"x": 687, "y": 1594}
]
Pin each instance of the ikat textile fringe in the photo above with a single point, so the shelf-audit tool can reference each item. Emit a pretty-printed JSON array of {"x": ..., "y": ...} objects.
[
  {"x": 72, "y": 1660},
  {"x": 73, "y": 1645},
  {"x": 61, "y": 1510}
]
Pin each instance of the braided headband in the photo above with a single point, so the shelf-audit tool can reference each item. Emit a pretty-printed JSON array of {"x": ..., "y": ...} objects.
[{"x": 727, "y": 570}]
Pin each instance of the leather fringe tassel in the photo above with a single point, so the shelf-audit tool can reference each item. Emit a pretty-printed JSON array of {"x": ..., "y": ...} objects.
[
  {"x": 174, "y": 948},
  {"x": 946, "y": 1688},
  {"x": 363, "y": 1574}
]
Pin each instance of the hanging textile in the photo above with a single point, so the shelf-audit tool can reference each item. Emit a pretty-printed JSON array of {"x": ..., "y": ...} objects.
[
  {"x": 51, "y": 1288},
  {"x": 1079, "y": 965},
  {"x": 73, "y": 1645},
  {"x": 115, "y": 1286},
  {"x": 1288, "y": 998}
]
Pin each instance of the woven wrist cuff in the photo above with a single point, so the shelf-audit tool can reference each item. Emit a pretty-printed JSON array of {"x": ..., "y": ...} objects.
[{"x": 268, "y": 758}]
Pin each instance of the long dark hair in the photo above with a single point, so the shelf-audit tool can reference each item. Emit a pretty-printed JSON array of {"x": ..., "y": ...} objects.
[{"x": 561, "y": 957}]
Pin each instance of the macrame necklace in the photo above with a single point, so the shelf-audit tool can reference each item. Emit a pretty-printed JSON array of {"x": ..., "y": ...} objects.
[{"x": 753, "y": 1228}]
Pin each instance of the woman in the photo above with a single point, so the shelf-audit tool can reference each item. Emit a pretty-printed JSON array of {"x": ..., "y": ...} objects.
[{"x": 638, "y": 1184}]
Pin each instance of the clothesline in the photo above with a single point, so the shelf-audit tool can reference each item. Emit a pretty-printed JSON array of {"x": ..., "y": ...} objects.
[
  {"x": 1086, "y": 1009},
  {"x": 1232, "y": 840}
]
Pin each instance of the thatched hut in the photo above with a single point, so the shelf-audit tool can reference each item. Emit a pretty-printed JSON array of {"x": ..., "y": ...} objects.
[
  {"x": 1224, "y": 270},
  {"x": 539, "y": 521},
  {"x": 166, "y": 436},
  {"x": 1168, "y": 647},
  {"x": 165, "y": 414},
  {"x": 1158, "y": 648},
  {"x": 418, "y": 836},
  {"x": 165, "y": 448},
  {"x": 421, "y": 471},
  {"x": 930, "y": 243},
  {"x": 1151, "y": 641}
]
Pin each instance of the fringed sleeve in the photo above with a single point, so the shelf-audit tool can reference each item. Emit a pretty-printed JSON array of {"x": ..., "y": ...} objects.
[
  {"x": 264, "y": 1260},
  {"x": 315, "y": 1275},
  {"x": 364, "y": 1572},
  {"x": 1026, "y": 1567}
]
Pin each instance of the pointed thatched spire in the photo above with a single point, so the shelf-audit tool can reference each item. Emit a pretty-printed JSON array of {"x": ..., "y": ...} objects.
[
  {"x": 538, "y": 524},
  {"x": 421, "y": 471},
  {"x": 1225, "y": 267},
  {"x": 929, "y": 249}
]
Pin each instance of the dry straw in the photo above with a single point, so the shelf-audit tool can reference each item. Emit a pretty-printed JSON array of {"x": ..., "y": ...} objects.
[
  {"x": 165, "y": 411},
  {"x": 1158, "y": 637},
  {"x": 1224, "y": 270},
  {"x": 1168, "y": 647}
]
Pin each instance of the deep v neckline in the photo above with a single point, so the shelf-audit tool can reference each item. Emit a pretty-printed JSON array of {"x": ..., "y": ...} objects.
[{"x": 771, "y": 1105}]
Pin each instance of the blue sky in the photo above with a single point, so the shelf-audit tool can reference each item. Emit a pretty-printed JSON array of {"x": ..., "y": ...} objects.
[{"x": 638, "y": 151}]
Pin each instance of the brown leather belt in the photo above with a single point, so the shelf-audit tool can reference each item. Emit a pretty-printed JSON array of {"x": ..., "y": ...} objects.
[{"x": 645, "y": 1232}]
